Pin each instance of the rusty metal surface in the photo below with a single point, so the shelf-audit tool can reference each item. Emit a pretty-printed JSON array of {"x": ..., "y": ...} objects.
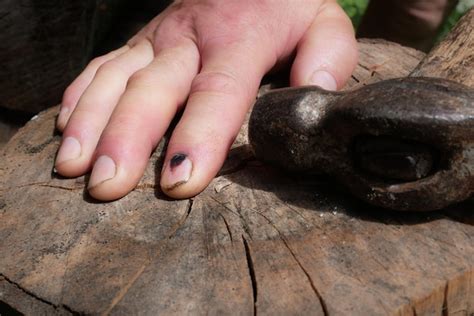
[{"x": 404, "y": 144}]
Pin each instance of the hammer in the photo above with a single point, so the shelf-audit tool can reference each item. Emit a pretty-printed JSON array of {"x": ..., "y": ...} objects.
[{"x": 405, "y": 144}]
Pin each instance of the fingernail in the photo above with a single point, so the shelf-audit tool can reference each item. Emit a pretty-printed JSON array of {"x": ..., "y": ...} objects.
[
  {"x": 62, "y": 115},
  {"x": 70, "y": 149},
  {"x": 176, "y": 172},
  {"x": 104, "y": 169},
  {"x": 324, "y": 80}
]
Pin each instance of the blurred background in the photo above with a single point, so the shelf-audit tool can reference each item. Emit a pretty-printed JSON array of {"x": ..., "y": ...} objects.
[{"x": 356, "y": 8}]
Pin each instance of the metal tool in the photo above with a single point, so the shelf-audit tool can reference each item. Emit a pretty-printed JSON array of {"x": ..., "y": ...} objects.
[{"x": 405, "y": 144}]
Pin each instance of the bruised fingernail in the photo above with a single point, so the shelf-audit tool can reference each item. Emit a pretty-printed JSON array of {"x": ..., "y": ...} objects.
[
  {"x": 176, "y": 172},
  {"x": 324, "y": 80},
  {"x": 104, "y": 169},
  {"x": 70, "y": 149}
]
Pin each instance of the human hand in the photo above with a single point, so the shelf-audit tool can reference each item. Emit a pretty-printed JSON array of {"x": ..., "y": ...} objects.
[{"x": 208, "y": 56}]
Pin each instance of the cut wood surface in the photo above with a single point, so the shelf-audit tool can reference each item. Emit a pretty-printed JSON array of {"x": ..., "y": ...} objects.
[{"x": 255, "y": 241}]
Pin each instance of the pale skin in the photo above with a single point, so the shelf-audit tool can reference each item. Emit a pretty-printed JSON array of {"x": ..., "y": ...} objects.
[{"x": 207, "y": 58}]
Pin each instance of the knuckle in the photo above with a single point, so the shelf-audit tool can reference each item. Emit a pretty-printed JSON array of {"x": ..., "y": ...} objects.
[
  {"x": 178, "y": 25},
  {"x": 110, "y": 67},
  {"x": 97, "y": 62},
  {"x": 141, "y": 77},
  {"x": 179, "y": 19},
  {"x": 219, "y": 82}
]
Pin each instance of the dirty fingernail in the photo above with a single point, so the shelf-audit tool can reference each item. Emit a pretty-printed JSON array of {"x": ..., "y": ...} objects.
[
  {"x": 176, "y": 172},
  {"x": 104, "y": 169},
  {"x": 324, "y": 80},
  {"x": 70, "y": 149}
]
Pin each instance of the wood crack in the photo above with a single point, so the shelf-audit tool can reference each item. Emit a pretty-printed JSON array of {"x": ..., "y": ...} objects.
[
  {"x": 355, "y": 78},
  {"x": 40, "y": 299},
  {"x": 47, "y": 185},
  {"x": 445, "y": 311},
  {"x": 308, "y": 276},
  {"x": 307, "y": 221},
  {"x": 181, "y": 222},
  {"x": 124, "y": 290},
  {"x": 245, "y": 226},
  {"x": 60, "y": 187},
  {"x": 251, "y": 270},
  {"x": 227, "y": 227}
]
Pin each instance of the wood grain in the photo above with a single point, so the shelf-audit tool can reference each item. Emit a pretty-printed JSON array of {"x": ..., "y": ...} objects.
[
  {"x": 453, "y": 58},
  {"x": 255, "y": 241}
]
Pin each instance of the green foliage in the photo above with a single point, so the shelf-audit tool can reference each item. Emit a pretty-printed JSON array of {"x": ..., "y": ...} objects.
[
  {"x": 457, "y": 13},
  {"x": 356, "y": 8}
]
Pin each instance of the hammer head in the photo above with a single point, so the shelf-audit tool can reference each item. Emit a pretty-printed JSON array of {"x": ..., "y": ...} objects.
[{"x": 404, "y": 144}]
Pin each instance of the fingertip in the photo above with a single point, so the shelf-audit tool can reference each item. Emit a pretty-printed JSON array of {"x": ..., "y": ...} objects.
[
  {"x": 71, "y": 168},
  {"x": 119, "y": 163},
  {"x": 190, "y": 165},
  {"x": 70, "y": 161},
  {"x": 327, "y": 54},
  {"x": 184, "y": 177},
  {"x": 176, "y": 175},
  {"x": 112, "y": 179},
  {"x": 104, "y": 179},
  {"x": 323, "y": 79}
]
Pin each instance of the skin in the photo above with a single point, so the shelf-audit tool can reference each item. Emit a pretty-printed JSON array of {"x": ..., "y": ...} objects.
[{"x": 206, "y": 57}]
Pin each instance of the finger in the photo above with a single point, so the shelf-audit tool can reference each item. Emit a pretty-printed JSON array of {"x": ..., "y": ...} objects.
[
  {"x": 74, "y": 91},
  {"x": 140, "y": 119},
  {"x": 220, "y": 96},
  {"x": 327, "y": 53},
  {"x": 95, "y": 107}
]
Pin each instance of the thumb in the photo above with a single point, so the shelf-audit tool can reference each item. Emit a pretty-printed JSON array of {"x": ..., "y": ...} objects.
[{"x": 327, "y": 53}]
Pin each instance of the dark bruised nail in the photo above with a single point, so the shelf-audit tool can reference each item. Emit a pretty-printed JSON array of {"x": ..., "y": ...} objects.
[
  {"x": 176, "y": 160},
  {"x": 176, "y": 172}
]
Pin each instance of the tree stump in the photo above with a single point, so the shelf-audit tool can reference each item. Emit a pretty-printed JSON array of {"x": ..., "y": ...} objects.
[{"x": 255, "y": 241}]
